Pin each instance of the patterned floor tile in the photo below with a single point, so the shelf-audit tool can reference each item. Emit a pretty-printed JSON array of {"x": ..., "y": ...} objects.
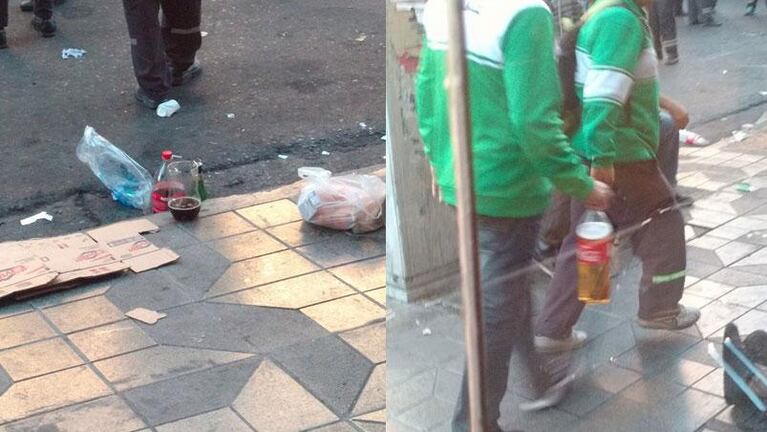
[
  {"x": 708, "y": 242},
  {"x": 21, "y": 329},
  {"x": 377, "y": 416},
  {"x": 734, "y": 251},
  {"x": 160, "y": 363},
  {"x": 232, "y": 327},
  {"x": 70, "y": 295},
  {"x": 301, "y": 233},
  {"x": 373, "y": 397},
  {"x": 200, "y": 267},
  {"x": 716, "y": 315},
  {"x": 151, "y": 290},
  {"x": 15, "y": 308},
  {"x": 758, "y": 258},
  {"x": 364, "y": 275},
  {"x": 345, "y": 313},
  {"x": 38, "y": 358},
  {"x": 83, "y": 314},
  {"x": 712, "y": 383},
  {"x": 191, "y": 394},
  {"x": 223, "y": 420},
  {"x": 105, "y": 414},
  {"x": 273, "y": 402},
  {"x": 5, "y": 380},
  {"x": 342, "y": 250},
  {"x": 750, "y": 297},
  {"x": 248, "y": 245},
  {"x": 293, "y": 293},
  {"x": 371, "y": 426},
  {"x": 369, "y": 340},
  {"x": 709, "y": 289},
  {"x": 379, "y": 295},
  {"x": 427, "y": 415},
  {"x": 49, "y": 392},
  {"x": 110, "y": 340},
  {"x": 336, "y": 427},
  {"x": 261, "y": 271},
  {"x": 685, "y": 372},
  {"x": 218, "y": 226},
  {"x": 271, "y": 214},
  {"x": 751, "y": 321},
  {"x": 331, "y": 370}
]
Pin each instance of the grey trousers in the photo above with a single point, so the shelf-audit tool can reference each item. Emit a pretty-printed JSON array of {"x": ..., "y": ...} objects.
[
  {"x": 157, "y": 45},
  {"x": 641, "y": 193},
  {"x": 700, "y": 8},
  {"x": 506, "y": 247},
  {"x": 42, "y": 9},
  {"x": 663, "y": 24}
]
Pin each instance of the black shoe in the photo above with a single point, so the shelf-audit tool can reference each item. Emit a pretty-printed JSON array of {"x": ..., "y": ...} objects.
[
  {"x": 3, "y": 40},
  {"x": 709, "y": 21},
  {"x": 683, "y": 200},
  {"x": 750, "y": 9},
  {"x": 182, "y": 77},
  {"x": 27, "y": 6},
  {"x": 46, "y": 27},
  {"x": 148, "y": 101}
]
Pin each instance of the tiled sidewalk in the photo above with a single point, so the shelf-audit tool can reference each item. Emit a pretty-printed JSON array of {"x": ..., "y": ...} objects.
[
  {"x": 272, "y": 325},
  {"x": 633, "y": 379}
]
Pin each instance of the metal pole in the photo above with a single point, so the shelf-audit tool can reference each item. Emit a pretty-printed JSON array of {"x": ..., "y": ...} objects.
[{"x": 460, "y": 131}]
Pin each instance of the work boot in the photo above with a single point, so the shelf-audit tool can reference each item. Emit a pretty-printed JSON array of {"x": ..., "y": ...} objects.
[
  {"x": 686, "y": 317},
  {"x": 27, "y": 5},
  {"x": 710, "y": 21},
  {"x": 46, "y": 27},
  {"x": 3, "y": 40},
  {"x": 148, "y": 101},
  {"x": 182, "y": 77},
  {"x": 549, "y": 345}
]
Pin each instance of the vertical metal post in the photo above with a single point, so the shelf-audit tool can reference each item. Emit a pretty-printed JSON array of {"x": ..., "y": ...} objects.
[{"x": 460, "y": 131}]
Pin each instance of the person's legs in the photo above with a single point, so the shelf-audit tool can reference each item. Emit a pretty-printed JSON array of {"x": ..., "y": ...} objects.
[
  {"x": 667, "y": 27},
  {"x": 181, "y": 31},
  {"x": 654, "y": 21},
  {"x": 147, "y": 51},
  {"x": 668, "y": 148},
  {"x": 43, "y": 9},
  {"x": 555, "y": 224},
  {"x": 693, "y": 11},
  {"x": 3, "y": 23},
  {"x": 505, "y": 253}
]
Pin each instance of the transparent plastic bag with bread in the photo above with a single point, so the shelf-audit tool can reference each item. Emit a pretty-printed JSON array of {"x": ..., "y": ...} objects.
[{"x": 352, "y": 202}]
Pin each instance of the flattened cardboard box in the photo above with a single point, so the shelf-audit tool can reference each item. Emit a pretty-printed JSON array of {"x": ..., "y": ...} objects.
[{"x": 38, "y": 266}]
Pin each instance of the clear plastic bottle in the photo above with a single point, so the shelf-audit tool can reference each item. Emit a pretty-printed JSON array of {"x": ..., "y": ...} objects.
[
  {"x": 163, "y": 189},
  {"x": 594, "y": 236}
]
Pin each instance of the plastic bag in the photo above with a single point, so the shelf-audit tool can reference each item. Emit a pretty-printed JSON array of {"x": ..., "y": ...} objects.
[
  {"x": 130, "y": 183},
  {"x": 351, "y": 202}
]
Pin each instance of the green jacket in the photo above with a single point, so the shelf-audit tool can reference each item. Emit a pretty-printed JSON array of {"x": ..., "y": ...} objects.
[
  {"x": 617, "y": 82},
  {"x": 515, "y": 99}
]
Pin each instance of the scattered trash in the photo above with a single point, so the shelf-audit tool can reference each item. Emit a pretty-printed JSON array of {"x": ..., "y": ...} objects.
[
  {"x": 361, "y": 37},
  {"x": 363, "y": 125},
  {"x": 351, "y": 202},
  {"x": 418, "y": 323},
  {"x": 747, "y": 126},
  {"x": 146, "y": 316},
  {"x": 744, "y": 187},
  {"x": 168, "y": 108},
  {"x": 75, "y": 53},
  {"x": 130, "y": 183},
  {"x": 724, "y": 72},
  {"x": 283, "y": 157},
  {"x": 691, "y": 138},
  {"x": 34, "y": 218},
  {"x": 45, "y": 265},
  {"x": 203, "y": 34},
  {"x": 324, "y": 153},
  {"x": 427, "y": 331},
  {"x": 230, "y": 115},
  {"x": 763, "y": 93},
  {"x": 383, "y": 138},
  {"x": 739, "y": 135}
]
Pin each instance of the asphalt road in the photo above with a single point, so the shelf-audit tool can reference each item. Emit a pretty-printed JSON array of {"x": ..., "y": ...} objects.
[{"x": 299, "y": 76}]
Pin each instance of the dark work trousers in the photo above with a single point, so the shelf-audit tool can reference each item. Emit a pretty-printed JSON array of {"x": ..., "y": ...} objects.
[
  {"x": 156, "y": 44},
  {"x": 556, "y": 220},
  {"x": 505, "y": 252},
  {"x": 642, "y": 193},
  {"x": 42, "y": 9},
  {"x": 663, "y": 25},
  {"x": 699, "y": 9}
]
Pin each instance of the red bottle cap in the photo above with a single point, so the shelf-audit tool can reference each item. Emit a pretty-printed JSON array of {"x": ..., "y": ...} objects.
[{"x": 167, "y": 155}]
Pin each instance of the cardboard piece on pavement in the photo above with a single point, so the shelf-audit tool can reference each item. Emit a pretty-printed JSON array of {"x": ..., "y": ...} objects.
[
  {"x": 146, "y": 316},
  {"x": 37, "y": 266}
]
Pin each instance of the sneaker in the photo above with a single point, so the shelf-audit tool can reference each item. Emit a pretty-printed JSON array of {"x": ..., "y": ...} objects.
[
  {"x": 148, "y": 101},
  {"x": 179, "y": 78},
  {"x": 750, "y": 9},
  {"x": 552, "y": 396},
  {"x": 686, "y": 317},
  {"x": 549, "y": 345},
  {"x": 27, "y": 6},
  {"x": 683, "y": 200},
  {"x": 46, "y": 27},
  {"x": 671, "y": 60},
  {"x": 710, "y": 21},
  {"x": 3, "y": 40}
]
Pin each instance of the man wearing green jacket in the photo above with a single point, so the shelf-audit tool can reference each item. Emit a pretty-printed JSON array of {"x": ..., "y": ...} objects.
[
  {"x": 616, "y": 81},
  {"x": 519, "y": 149}
]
